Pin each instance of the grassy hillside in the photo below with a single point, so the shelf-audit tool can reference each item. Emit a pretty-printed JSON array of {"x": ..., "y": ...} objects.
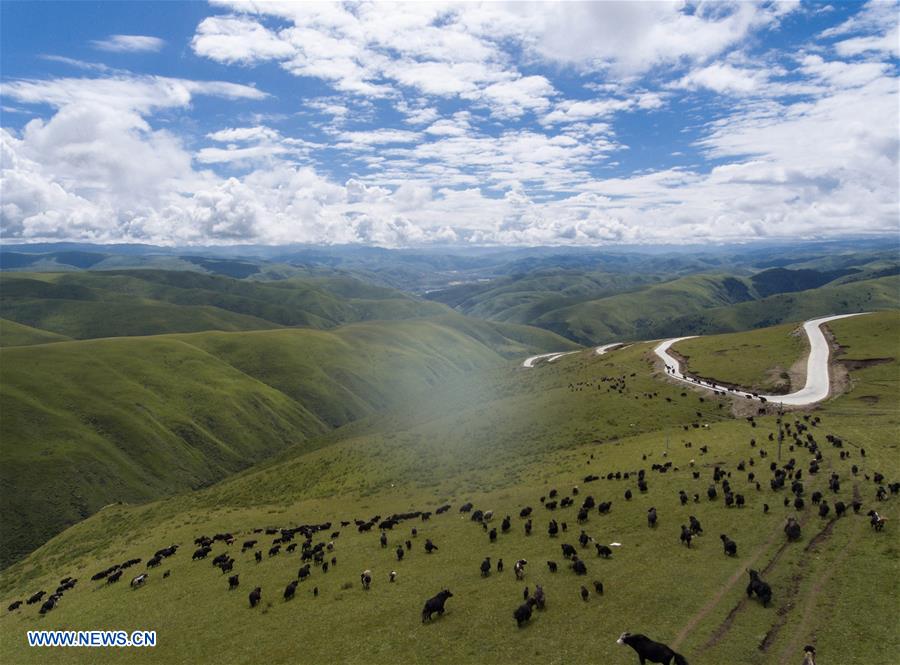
[
  {"x": 860, "y": 296},
  {"x": 503, "y": 438},
  {"x": 149, "y": 302},
  {"x": 525, "y": 297},
  {"x": 92, "y": 422},
  {"x": 631, "y": 316},
  {"x": 16, "y": 334},
  {"x": 759, "y": 360},
  {"x": 595, "y": 307}
]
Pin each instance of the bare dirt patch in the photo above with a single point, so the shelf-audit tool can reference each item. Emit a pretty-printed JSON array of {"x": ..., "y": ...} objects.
[{"x": 852, "y": 365}]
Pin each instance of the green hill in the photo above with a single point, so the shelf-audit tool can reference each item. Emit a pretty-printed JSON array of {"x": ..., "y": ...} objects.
[
  {"x": 93, "y": 422},
  {"x": 148, "y": 302},
  {"x": 504, "y": 437},
  {"x": 17, "y": 334},
  {"x": 594, "y": 307},
  {"x": 856, "y": 296}
]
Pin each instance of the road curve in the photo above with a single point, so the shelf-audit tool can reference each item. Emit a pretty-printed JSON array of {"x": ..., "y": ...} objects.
[
  {"x": 606, "y": 348},
  {"x": 556, "y": 355},
  {"x": 818, "y": 381}
]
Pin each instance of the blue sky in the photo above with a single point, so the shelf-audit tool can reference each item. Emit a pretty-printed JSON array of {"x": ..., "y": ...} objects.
[{"x": 447, "y": 123}]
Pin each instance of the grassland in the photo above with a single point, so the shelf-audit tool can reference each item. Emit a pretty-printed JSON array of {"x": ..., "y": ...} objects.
[
  {"x": 503, "y": 437},
  {"x": 601, "y": 307},
  {"x": 149, "y": 302},
  {"x": 93, "y": 422},
  {"x": 16, "y": 334},
  {"x": 759, "y": 360},
  {"x": 881, "y": 293}
]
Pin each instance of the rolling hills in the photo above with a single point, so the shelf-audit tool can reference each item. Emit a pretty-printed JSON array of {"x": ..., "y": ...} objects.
[
  {"x": 87, "y": 423},
  {"x": 149, "y": 302},
  {"x": 503, "y": 437},
  {"x": 595, "y": 308},
  {"x": 17, "y": 334}
]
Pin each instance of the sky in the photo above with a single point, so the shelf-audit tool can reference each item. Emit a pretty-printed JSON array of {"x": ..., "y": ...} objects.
[{"x": 403, "y": 125}]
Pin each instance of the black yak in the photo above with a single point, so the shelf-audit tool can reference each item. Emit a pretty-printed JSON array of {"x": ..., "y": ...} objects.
[
  {"x": 647, "y": 649},
  {"x": 435, "y": 604}
]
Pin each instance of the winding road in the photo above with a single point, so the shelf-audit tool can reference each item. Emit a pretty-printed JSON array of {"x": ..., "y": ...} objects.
[
  {"x": 818, "y": 378},
  {"x": 553, "y": 357}
]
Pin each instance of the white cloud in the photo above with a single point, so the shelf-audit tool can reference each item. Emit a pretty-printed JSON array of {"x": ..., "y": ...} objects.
[
  {"x": 572, "y": 110},
  {"x": 258, "y": 133},
  {"x": 501, "y": 152},
  {"x": 138, "y": 93},
  {"x": 724, "y": 78},
  {"x": 129, "y": 44}
]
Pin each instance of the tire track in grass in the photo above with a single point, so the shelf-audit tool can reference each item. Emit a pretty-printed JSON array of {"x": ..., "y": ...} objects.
[
  {"x": 715, "y": 600},
  {"x": 793, "y": 589},
  {"x": 788, "y": 654},
  {"x": 726, "y": 624}
]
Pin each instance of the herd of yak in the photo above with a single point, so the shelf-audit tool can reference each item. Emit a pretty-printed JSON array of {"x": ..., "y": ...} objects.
[{"x": 317, "y": 550}]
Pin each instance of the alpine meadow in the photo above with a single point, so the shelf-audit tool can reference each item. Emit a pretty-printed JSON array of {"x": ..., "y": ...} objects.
[{"x": 453, "y": 333}]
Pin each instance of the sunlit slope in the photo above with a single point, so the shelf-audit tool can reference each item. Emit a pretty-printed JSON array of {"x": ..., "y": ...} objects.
[
  {"x": 504, "y": 441},
  {"x": 148, "y": 302},
  {"x": 597, "y": 307},
  {"x": 88, "y": 423},
  {"x": 759, "y": 360},
  {"x": 17, "y": 334},
  {"x": 631, "y": 316},
  {"x": 860, "y": 296},
  {"x": 774, "y": 359}
]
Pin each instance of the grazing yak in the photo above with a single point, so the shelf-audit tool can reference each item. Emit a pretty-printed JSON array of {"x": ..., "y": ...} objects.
[
  {"x": 603, "y": 551},
  {"x": 255, "y": 597},
  {"x": 579, "y": 567},
  {"x": 762, "y": 590},
  {"x": 647, "y": 649},
  {"x": 233, "y": 582},
  {"x": 729, "y": 545},
  {"x": 809, "y": 655},
  {"x": 486, "y": 566},
  {"x": 139, "y": 581},
  {"x": 519, "y": 569},
  {"x": 585, "y": 594},
  {"x": 49, "y": 604},
  {"x": 696, "y": 529},
  {"x": 36, "y": 598},
  {"x": 435, "y": 604},
  {"x": 792, "y": 529},
  {"x": 523, "y": 613},
  {"x": 876, "y": 521}
]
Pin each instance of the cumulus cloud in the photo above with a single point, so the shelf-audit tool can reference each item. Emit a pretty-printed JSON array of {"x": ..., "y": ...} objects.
[
  {"x": 724, "y": 78},
  {"x": 470, "y": 123}
]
